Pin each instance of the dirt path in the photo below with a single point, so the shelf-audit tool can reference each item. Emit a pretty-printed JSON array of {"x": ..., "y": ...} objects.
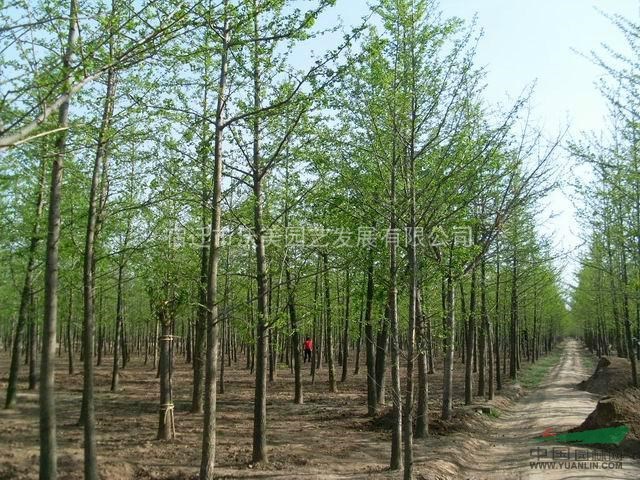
[{"x": 508, "y": 450}]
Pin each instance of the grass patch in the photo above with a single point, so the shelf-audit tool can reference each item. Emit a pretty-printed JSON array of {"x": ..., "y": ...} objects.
[
  {"x": 589, "y": 360},
  {"x": 532, "y": 375},
  {"x": 494, "y": 413}
]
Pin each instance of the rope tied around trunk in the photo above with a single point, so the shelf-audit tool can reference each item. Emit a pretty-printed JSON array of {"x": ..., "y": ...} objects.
[
  {"x": 168, "y": 408},
  {"x": 167, "y": 338}
]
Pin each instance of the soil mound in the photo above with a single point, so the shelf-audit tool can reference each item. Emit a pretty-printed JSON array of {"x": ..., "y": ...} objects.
[
  {"x": 611, "y": 374},
  {"x": 615, "y": 410}
]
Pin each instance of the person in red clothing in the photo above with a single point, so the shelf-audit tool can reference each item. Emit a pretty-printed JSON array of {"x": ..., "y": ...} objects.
[{"x": 308, "y": 348}]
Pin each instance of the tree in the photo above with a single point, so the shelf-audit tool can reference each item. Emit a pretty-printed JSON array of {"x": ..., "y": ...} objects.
[{"x": 47, "y": 400}]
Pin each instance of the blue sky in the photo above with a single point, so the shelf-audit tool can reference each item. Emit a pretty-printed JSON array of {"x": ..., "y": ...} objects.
[{"x": 543, "y": 41}]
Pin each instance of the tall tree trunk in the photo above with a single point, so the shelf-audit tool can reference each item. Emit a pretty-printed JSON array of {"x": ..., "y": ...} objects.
[
  {"x": 356, "y": 368},
  {"x": 407, "y": 421},
  {"x": 155, "y": 343},
  {"x": 225, "y": 321},
  {"x": 69, "y": 340},
  {"x": 316, "y": 317},
  {"x": 291, "y": 307},
  {"x": 188, "y": 352},
  {"x": 486, "y": 328},
  {"x": 88, "y": 282},
  {"x": 260, "y": 401},
  {"x": 100, "y": 344},
  {"x": 201, "y": 324},
  {"x": 27, "y": 288},
  {"x": 124, "y": 343},
  {"x": 48, "y": 469},
  {"x": 209, "y": 428},
  {"x": 372, "y": 399},
  {"x": 422, "y": 412},
  {"x": 345, "y": 333},
  {"x": 115, "y": 376},
  {"x": 273, "y": 338},
  {"x": 430, "y": 344},
  {"x": 470, "y": 342},
  {"x": 496, "y": 336},
  {"x": 480, "y": 349},
  {"x": 327, "y": 304},
  {"x": 381, "y": 356},
  {"x": 199, "y": 346},
  {"x": 295, "y": 339},
  {"x": 396, "y": 397},
  {"x": 447, "y": 382},
  {"x": 223, "y": 335},
  {"x": 33, "y": 343},
  {"x": 513, "y": 335},
  {"x": 166, "y": 426}
]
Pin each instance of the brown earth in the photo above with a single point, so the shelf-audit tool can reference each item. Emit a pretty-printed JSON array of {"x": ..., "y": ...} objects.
[
  {"x": 619, "y": 406},
  {"x": 329, "y": 436},
  {"x": 611, "y": 374}
]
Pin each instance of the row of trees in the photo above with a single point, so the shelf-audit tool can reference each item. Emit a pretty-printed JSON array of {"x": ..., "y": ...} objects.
[
  {"x": 606, "y": 300},
  {"x": 225, "y": 194}
]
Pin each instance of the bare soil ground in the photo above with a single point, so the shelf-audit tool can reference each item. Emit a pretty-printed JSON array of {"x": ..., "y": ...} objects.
[
  {"x": 620, "y": 404},
  {"x": 611, "y": 374},
  {"x": 329, "y": 437}
]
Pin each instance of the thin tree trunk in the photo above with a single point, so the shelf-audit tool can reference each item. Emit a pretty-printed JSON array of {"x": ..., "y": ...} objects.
[
  {"x": 447, "y": 383},
  {"x": 356, "y": 368},
  {"x": 260, "y": 401},
  {"x": 430, "y": 345},
  {"x": 100, "y": 344},
  {"x": 69, "y": 342},
  {"x": 222, "y": 348},
  {"x": 372, "y": 399},
  {"x": 496, "y": 336},
  {"x": 225, "y": 321},
  {"x": 155, "y": 344},
  {"x": 422, "y": 412},
  {"x": 166, "y": 426},
  {"x": 199, "y": 346},
  {"x": 470, "y": 342},
  {"x": 33, "y": 343},
  {"x": 345, "y": 333},
  {"x": 209, "y": 427},
  {"x": 327, "y": 303},
  {"x": 407, "y": 421},
  {"x": 291, "y": 307},
  {"x": 295, "y": 340},
  {"x": 513, "y": 336},
  {"x": 395, "y": 462},
  {"x": 115, "y": 376},
  {"x": 27, "y": 288},
  {"x": 48, "y": 469},
  {"x": 88, "y": 281},
  {"x": 381, "y": 356},
  {"x": 486, "y": 328}
]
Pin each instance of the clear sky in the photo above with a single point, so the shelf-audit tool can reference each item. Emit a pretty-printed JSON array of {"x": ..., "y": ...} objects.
[{"x": 543, "y": 41}]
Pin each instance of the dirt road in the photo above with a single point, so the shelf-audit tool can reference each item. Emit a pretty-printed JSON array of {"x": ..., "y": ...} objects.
[{"x": 510, "y": 451}]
